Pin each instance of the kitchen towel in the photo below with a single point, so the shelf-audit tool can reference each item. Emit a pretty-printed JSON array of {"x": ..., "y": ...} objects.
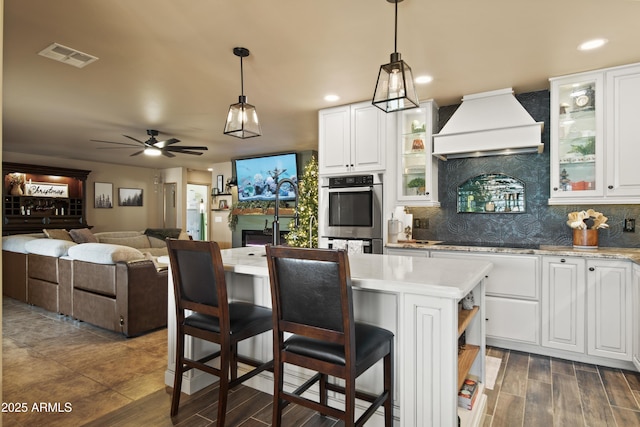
[
  {"x": 355, "y": 246},
  {"x": 339, "y": 244}
]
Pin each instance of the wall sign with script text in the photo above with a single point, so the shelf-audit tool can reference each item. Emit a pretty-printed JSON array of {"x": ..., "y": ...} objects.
[{"x": 46, "y": 189}]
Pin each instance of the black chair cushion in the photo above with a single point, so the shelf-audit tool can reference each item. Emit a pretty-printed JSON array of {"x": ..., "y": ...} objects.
[
  {"x": 242, "y": 315},
  {"x": 368, "y": 339}
]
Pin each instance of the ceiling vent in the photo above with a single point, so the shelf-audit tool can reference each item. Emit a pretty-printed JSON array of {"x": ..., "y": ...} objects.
[
  {"x": 67, "y": 55},
  {"x": 489, "y": 124}
]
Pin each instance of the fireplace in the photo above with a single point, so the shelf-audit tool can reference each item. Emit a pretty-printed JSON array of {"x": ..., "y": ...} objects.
[{"x": 260, "y": 237}]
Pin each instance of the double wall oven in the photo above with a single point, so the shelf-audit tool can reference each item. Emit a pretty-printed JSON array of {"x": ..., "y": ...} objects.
[{"x": 351, "y": 209}]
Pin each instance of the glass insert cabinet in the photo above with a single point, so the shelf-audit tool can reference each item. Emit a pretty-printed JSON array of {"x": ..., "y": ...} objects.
[
  {"x": 577, "y": 159},
  {"x": 417, "y": 168}
]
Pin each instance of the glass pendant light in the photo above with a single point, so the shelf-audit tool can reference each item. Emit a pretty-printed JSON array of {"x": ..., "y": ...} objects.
[
  {"x": 395, "y": 90},
  {"x": 242, "y": 120}
]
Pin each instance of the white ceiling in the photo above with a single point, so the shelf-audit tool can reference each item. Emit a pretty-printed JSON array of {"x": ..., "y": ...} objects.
[{"x": 168, "y": 64}]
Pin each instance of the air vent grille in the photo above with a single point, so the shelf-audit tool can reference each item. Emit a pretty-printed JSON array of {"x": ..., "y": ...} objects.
[{"x": 67, "y": 55}]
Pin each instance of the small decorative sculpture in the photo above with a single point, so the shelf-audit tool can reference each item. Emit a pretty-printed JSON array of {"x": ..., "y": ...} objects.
[{"x": 467, "y": 301}]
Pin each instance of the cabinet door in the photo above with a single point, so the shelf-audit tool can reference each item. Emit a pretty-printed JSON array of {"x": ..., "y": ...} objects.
[
  {"x": 512, "y": 319},
  {"x": 563, "y": 303},
  {"x": 334, "y": 150},
  {"x": 623, "y": 140},
  {"x": 417, "y": 168},
  {"x": 636, "y": 316},
  {"x": 609, "y": 297},
  {"x": 368, "y": 138},
  {"x": 577, "y": 132}
]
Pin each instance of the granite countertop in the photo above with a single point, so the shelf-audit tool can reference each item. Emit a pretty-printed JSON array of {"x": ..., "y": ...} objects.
[{"x": 632, "y": 254}]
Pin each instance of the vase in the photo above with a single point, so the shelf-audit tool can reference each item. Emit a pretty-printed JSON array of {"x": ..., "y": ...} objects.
[
  {"x": 16, "y": 190},
  {"x": 585, "y": 238}
]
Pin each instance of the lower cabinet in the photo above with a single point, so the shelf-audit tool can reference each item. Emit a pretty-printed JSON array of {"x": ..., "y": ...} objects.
[
  {"x": 609, "y": 304},
  {"x": 512, "y": 319},
  {"x": 563, "y": 303}
]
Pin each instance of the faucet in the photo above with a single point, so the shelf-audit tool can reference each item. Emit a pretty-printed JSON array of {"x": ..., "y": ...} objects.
[
  {"x": 311, "y": 221},
  {"x": 276, "y": 219}
]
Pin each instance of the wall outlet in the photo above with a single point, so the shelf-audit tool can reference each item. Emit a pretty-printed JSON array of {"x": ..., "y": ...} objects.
[
  {"x": 421, "y": 223},
  {"x": 629, "y": 225}
]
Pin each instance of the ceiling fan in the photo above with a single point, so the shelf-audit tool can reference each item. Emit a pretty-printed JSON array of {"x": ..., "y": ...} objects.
[{"x": 153, "y": 147}]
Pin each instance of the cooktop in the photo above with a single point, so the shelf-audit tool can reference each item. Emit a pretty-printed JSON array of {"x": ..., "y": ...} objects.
[{"x": 495, "y": 245}]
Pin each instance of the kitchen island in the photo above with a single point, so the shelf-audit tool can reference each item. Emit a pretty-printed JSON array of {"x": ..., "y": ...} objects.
[{"x": 416, "y": 299}]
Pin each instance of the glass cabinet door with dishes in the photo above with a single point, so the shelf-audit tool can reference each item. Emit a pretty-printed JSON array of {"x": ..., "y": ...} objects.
[
  {"x": 577, "y": 161},
  {"x": 417, "y": 168}
]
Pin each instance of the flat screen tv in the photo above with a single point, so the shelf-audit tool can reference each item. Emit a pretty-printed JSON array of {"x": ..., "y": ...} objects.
[{"x": 258, "y": 177}]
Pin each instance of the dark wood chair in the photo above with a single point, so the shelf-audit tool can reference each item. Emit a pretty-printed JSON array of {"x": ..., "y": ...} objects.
[
  {"x": 312, "y": 299},
  {"x": 199, "y": 285}
]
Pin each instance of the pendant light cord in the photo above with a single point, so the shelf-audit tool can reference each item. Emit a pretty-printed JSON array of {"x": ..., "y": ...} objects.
[
  {"x": 241, "y": 79},
  {"x": 395, "y": 35}
]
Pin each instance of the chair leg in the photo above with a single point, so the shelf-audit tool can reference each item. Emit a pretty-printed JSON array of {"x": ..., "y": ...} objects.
[
  {"x": 234, "y": 361},
  {"x": 350, "y": 401},
  {"x": 223, "y": 390},
  {"x": 323, "y": 390},
  {"x": 278, "y": 383},
  {"x": 177, "y": 379},
  {"x": 388, "y": 385}
]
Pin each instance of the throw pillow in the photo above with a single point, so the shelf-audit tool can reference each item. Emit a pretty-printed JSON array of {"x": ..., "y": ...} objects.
[
  {"x": 49, "y": 247},
  {"x": 59, "y": 234},
  {"x": 104, "y": 253},
  {"x": 82, "y": 235}
]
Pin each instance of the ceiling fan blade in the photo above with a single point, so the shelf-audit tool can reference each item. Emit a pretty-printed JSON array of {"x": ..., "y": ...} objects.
[
  {"x": 117, "y": 148},
  {"x": 186, "y": 147},
  {"x": 168, "y": 154},
  {"x": 163, "y": 144},
  {"x": 195, "y": 153},
  {"x": 113, "y": 142},
  {"x": 137, "y": 152},
  {"x": 136, "y": 140}
]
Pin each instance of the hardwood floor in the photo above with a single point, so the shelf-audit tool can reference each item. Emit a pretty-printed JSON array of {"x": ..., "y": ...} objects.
[{"x": 112, "y": 381}]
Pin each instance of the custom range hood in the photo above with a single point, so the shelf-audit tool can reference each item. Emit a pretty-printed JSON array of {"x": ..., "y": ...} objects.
[{"x": 489, "y": 124}]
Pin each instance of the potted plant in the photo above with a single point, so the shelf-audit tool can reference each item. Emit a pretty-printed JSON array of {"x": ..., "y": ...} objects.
[{"x": 417, "y": 183}]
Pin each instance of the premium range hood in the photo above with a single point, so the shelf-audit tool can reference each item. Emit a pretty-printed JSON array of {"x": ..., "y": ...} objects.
[{"x": 489, "y": 124}]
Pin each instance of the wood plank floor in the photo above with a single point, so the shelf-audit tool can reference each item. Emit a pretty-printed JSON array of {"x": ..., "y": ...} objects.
[{"x": 112, "y": 381}]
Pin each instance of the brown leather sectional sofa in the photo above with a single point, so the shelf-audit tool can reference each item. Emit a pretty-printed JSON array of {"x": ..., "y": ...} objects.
[{"x": 124, "y": 290}]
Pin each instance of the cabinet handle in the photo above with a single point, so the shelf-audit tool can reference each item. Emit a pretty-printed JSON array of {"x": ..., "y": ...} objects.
[
  {"x": 563, "y": 260},
  {"x": 426, "y": 193},
  {"x": 592, "y": 269},
  {"x": 610, "y": 187},
  {"x": 555, "y": 188}
]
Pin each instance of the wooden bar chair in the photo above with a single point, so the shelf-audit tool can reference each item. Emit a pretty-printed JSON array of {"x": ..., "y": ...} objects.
[
  {"x": 200, "y": 286},
  {"x": 312, "y": 299}
]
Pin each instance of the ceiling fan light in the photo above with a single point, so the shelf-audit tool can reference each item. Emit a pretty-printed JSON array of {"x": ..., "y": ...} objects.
[
  {"x": 152, "y": 151},
  {"x": 242, "y": 120}
]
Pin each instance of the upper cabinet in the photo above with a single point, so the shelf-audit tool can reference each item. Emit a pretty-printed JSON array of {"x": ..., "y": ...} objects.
[
  {"x": 594, "y": 145},
  {"x": 417, "y": 174},
  {"x": 352, "y": 138}
]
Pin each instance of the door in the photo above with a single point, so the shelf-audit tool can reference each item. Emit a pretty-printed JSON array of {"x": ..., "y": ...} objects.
[
  {"x": 563, "y": 303},
  {"x": 609, "y": 308},
  {"x": 197, "y": 197}
]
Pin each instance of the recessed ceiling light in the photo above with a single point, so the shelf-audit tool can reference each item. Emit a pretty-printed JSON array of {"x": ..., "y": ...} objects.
[
  {"x": 424, "y": 79},
  {"x": 331, "y": 98},
  {"x": 592, "y": 44}
]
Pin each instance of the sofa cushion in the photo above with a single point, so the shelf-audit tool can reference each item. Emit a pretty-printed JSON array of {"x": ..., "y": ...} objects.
[
  {"x": 59, "y": 234},
  {"x": 16, "y": 243},
  {"x": 104, "y": 253},
  {"x": 49, "y": 247},
  {"x": 139, "y": 242},
  {"x": 82, "y": 235}
]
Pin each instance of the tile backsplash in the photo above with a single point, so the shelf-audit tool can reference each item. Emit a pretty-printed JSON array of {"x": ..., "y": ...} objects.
[{"x": 540, "y": 223}]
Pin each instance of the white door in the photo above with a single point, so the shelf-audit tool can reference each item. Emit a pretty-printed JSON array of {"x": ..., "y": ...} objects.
[
  {"x": 563, "y": 303},
  {"x": 197, "y": 202}
]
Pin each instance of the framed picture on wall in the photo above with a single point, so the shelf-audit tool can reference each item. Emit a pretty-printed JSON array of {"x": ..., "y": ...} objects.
[
  {"x": 129, "y": 196},
  {"x": 103, "y": 195},
  {"x": 220, "y": 184}
]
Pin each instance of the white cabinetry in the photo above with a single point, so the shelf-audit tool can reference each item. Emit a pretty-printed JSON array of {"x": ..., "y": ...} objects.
[
  {"x": 636, "y": 316},
  {"x": 609, "y": 304},
  {"x": 352, "y": 138},
  {"x": 512, "y": 307},
  {"x": 417, "y": 175},
  {"x": 594, "y": 142},
  {"x": 563, "y": 303}
]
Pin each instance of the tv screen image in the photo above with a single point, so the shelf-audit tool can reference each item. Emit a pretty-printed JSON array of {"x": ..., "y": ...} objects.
[{"x": 258, "y": 177}]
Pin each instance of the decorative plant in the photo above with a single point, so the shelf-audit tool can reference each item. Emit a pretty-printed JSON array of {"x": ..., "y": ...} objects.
[
  {"x": 416, "y": 183},
  {"x": 586, "y": 148},
  {"x": 16, "y": 179},
  {"x": 588, "y": 219},
  {"x": 305, "y": 235}
]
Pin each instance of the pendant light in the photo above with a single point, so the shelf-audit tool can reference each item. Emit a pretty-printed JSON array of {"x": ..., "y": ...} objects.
[
  {"x": 242, "y": 120},
  {"x": 395, "y": 90}
]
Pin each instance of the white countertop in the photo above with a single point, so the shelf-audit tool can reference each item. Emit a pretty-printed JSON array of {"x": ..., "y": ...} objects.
[{"x": 390, "y": 273}]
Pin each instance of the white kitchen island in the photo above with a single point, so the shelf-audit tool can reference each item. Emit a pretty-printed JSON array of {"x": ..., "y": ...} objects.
[{"x": 415, "y": 298}]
